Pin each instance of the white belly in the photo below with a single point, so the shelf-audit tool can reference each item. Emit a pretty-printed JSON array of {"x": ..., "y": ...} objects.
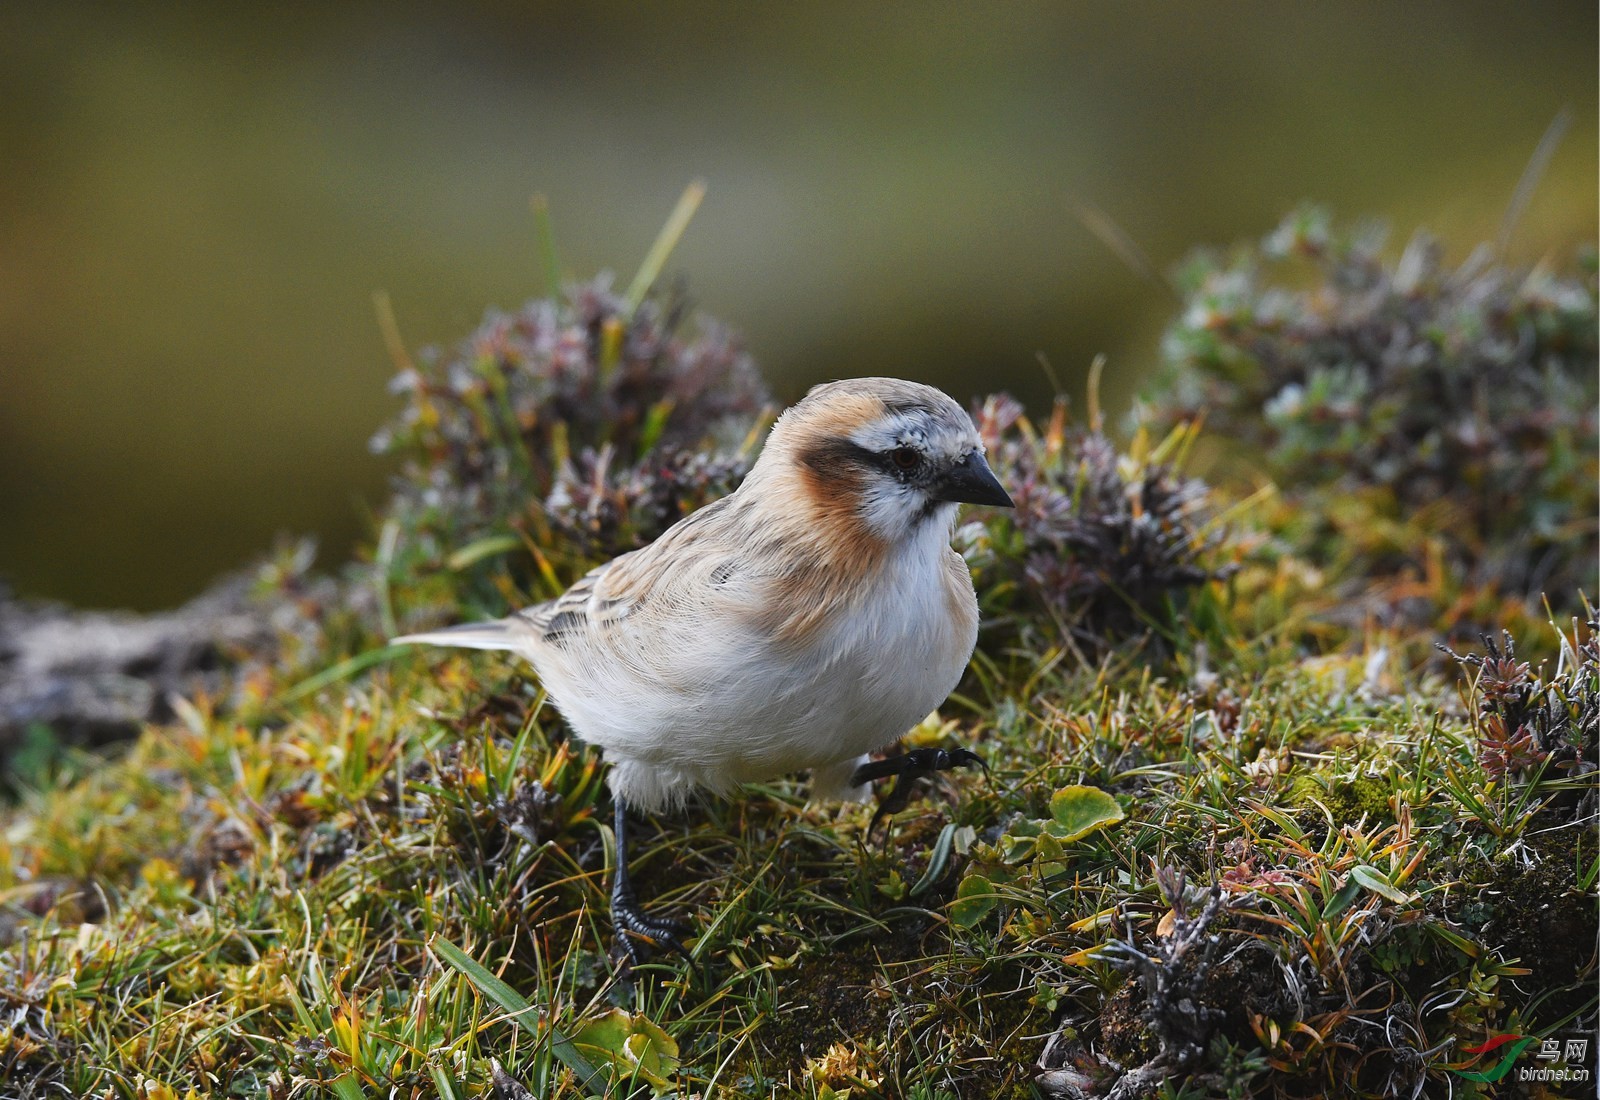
[
  {"x": 870, "y": 682},
  {"x": 857, "y": 687}
]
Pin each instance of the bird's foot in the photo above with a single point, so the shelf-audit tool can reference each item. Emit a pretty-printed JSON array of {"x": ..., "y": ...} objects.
[
  {"x": 907, "y": 769},
  {"x": 637, "y": 931}
]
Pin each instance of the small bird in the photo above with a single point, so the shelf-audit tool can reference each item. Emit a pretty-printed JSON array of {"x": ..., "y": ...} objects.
[{"x": 805, "y": 621}]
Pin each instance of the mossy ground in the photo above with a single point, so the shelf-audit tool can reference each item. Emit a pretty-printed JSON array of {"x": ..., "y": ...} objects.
[
  {"x": 246, "y": 905},
  {"x": 257, "y": 899}
]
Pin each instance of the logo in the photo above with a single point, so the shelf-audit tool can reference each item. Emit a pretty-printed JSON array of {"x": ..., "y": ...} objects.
[
  {"x": 1517, "y": 1044},
  {"x": 1506, "y": 1049}
]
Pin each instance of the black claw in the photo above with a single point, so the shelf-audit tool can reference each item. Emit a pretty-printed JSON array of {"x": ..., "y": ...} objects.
[
  {"x": 962, "y": 758},
  {"x": 635, "y": 929},
  {"x": 907, "y": 769}
]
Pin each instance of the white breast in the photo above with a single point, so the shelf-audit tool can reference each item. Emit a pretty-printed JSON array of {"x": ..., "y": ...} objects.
[
  {"x": 879, "y": 673},
  {"x": 756, "y": 711}
]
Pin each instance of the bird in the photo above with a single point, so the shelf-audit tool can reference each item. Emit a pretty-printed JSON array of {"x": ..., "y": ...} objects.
[{"x": 805, "y": 621}]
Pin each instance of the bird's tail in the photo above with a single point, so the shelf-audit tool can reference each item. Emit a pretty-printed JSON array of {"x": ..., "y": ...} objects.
[{"x": 497, "y": 634}]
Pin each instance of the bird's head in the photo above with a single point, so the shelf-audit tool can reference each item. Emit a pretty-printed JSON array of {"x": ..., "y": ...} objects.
[{"x": 888, "y": 456}]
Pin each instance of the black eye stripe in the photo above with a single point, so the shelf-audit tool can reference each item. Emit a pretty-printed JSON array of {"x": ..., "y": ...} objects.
[{"x": 837, "y": 458}]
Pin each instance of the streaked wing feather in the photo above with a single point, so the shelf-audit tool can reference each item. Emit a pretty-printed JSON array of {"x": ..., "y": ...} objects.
[
  {"x": 577, "y": 610},
  {"x": 689, "y": 564}
]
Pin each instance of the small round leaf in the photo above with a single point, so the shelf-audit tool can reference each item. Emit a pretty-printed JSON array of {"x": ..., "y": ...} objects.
[
  {"x": 1080, "y": 810},
  {"x": 975, "y": 899}
]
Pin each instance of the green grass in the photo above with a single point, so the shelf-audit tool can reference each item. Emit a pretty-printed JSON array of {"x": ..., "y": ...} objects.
[
  {"x": 1239, "y": 837},
  {"x": 367, "y": 895}
]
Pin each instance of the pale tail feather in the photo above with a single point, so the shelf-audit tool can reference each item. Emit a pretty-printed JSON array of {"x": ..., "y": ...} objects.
[{"x": 499, "y": 634}]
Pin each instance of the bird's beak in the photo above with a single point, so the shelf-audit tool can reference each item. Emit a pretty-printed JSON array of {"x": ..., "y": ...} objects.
[{"x": 971, "y": 481}]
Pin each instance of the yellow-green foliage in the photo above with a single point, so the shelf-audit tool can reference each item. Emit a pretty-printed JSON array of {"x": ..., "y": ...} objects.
[
  {"x": 1234, "y": 834},
  {"x": 1433, "y": 429}
]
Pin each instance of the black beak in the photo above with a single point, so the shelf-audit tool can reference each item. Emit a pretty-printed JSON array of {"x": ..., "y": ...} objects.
[{"x": 971, "y": 481}]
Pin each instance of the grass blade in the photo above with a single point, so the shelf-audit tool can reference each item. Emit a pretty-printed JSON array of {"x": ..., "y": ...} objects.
[
  {"x": 938, "y": 861},
  {"x": 509, "y": 999},
  {"x": 666, "y": 241},
  {"x": 540, "y": 205},
  {"x": 341, "y": 671}
]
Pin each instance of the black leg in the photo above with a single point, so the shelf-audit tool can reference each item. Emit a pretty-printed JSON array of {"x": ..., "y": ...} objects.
[
  {"x": 907, "y": 769},
  {"x": 628, "y": 920}
]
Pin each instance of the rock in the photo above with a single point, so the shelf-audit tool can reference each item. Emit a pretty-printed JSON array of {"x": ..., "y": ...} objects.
[{"x": 94, "y": 677}]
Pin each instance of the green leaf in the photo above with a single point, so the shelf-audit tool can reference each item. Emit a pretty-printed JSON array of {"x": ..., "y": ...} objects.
[
  {"x": 1050, "y": 845},
  {"x": 487, "y": 547},
  {"x": 1376, "y": 881},
  {"x": 346, "y": 1087},
  {"x": 442, "y": 1083},
  {"x": 1080, "y": 810},
  {"x": 938, "y": 860},
  {"x": 655, "y": 424},
  {"x": 1290, "y": 827},
  {"x": 975, "y": 899},
  {"x": 341, "y": 671},
  {"x": 1021, "y": 841},
  {"x": 1469, "y": 948},
  {"x": 509, "y": 999},
  {"x": 1051, "y": 869},
  {"x": 1341, "y": 901},
  {"x": 633, "y": 1044}
]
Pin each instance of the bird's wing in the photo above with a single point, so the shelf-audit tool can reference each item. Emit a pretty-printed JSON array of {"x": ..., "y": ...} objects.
[
  {"x": 650, "y": 609},
  {"x": 577, "y": 610},
  {"x": 642, "y": 598}
]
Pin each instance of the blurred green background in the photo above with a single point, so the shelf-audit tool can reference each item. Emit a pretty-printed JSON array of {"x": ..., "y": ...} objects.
[{"x": 197, "y": 203}]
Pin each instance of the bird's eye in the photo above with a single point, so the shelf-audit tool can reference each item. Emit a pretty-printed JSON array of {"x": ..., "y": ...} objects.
[{"x": 904, "y": 458}]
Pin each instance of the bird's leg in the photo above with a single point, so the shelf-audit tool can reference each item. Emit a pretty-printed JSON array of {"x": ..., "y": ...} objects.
[
  {"x": 628, "y": 920},
  {"x": 907, "y": 768}
]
